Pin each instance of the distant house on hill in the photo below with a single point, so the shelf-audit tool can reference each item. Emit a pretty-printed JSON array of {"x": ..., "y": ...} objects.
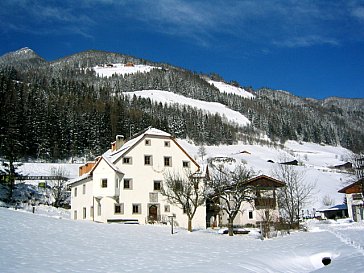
[
  {"x": 354, "y": 199},
  {"x": 345, "y": 166},
  {"x": 124, "y": 184},
  {"x": 293, "y": 162}
]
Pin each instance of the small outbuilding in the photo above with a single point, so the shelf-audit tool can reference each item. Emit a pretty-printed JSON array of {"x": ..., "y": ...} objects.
[{"x": 335, "y": 212}]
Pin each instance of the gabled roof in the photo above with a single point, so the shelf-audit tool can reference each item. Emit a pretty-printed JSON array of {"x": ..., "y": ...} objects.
[
  {"x": 89, "y": 174},
  {"x": 111, "y": 157},
  {"x": 354, "y": 187},
  {"x": 114, "y": 156},
  {"x": 107, "y": 160},
  {"x": 127, "y": 146},
  {"x": 79, "y": 179},
  {"x": 265, "y": 181}
]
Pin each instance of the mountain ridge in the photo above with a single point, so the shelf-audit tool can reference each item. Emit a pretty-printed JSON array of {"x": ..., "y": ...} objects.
[
  {"x": 69, "y": 97},
  {"x": 114, "y": 57}
]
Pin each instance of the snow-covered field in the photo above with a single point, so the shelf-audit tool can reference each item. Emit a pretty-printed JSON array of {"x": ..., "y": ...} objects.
[{"x": 45, "y": 242}]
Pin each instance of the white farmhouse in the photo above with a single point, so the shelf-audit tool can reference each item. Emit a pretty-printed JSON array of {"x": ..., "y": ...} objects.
[{"x": 123, "y": 185}]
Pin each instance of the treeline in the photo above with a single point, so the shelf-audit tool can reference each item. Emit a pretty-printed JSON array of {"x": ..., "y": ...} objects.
[
  {"x": 59, "y": 119},
  {"x": 280, "y": 115},
  {"x": 63, "y": 109}
]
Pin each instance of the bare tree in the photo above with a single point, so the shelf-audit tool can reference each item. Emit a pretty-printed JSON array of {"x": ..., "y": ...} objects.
[
  {"x": 228, "y": 190},
  {"x": 202, "y": 151},
  {"x": 327, "y": 201},
  {"x": 295, "y": 195},
  {"x": 58, "y": 187},
  {"x": 186, "y": 192},
  {"x": 358, "y": 165}
]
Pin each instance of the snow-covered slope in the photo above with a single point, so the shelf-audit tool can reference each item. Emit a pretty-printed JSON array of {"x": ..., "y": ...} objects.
[
  {"x": 121, "y": 69},
  {"x": 34, "y": 243},
  {"x": 230, "y": 89},
  {"x": 210, "y": 107},
  {"x": 314, "y": 162}
]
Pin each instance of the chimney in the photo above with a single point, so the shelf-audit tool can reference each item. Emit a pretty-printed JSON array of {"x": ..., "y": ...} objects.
[{"x": 119, "y": 142}]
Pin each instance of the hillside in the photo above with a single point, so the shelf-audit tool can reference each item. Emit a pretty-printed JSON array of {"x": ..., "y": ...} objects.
[{"x": 74, "y": 107}]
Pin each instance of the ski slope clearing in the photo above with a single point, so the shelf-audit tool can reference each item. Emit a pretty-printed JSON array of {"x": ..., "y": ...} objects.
[
  {"x": 35, "y": 243},
  {"x": 121, "y": 69},
  {"x": 210, "y": 107},
  {"x": 230, "y": 89}
]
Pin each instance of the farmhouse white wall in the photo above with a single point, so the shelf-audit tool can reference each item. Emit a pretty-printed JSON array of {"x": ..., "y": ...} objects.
[{"x": 113, "y": 169}]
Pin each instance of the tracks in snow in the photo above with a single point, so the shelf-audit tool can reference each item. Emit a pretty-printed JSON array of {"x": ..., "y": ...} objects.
[{"x": 346, "y": 239}]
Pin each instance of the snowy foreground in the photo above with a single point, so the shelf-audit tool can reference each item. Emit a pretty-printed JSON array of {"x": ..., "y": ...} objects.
[{"x": 49, "y": 242}]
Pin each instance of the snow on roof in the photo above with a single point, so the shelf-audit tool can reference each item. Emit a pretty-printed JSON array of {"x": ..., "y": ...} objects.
[
  {"x": 112, "y": 166},
  {"x": 115, "y": 155},
  {"x": 336, "y": 207},
  {"x": 46, "y": 169},
  {"x": 78, "y": 179}
]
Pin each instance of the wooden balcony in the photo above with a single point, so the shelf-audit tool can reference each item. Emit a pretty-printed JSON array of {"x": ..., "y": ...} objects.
[{"x": 265, "y": 203}]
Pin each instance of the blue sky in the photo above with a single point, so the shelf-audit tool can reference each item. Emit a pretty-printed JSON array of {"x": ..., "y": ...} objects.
[{"x": 310, "y": 48}]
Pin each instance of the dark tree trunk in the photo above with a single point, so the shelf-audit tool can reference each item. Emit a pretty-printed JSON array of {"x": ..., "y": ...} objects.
[{"x": 231, "y": 226}]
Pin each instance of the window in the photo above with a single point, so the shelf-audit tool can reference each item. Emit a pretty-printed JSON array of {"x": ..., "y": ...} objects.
[
  {"x": 250, "y": 214},
  {"x": 84, "y": 213},
  {"x": 167, "y": 161},
  {"x": 185, "y": 208},
  {"x": 157, "y": 185},
  {"x": 104, "y": 183},
  {"x": 128, "y": 185},
  {"x": 117, "y": 183},
  {"x": 75, "y": 215},
  {"x": 75, "y": 192},
  {"x": 185, "y": 164},
  {"x": 127, "y": 160},
  {"x": 357, "y": 196},
  {"x": 137, "y": 208},
  {"x": 147, "y": 160},
  {"x": 98, "y": 209},
  {"x": 91, "y": 211},
  {"x": 167, "y": 144},
  {"x": 119, "y": 209},
  {"x": 147, "y": 142},
  {"x": 167, "y": 208},
  {"x": 84, "y": 189}
]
